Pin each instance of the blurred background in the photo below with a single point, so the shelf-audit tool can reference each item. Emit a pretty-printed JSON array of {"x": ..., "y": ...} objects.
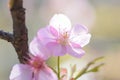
[{"x": 102, "y": 17}]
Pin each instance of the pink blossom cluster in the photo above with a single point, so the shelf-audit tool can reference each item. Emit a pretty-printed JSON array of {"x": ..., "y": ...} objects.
[{"x": 57, "y": 39}]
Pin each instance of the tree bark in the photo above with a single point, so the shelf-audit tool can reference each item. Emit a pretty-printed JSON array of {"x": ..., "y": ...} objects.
[
  {"x": 6, "y": 36},
  {"x": 19, "y": 30},
  {"x": 19, "y": 38}
]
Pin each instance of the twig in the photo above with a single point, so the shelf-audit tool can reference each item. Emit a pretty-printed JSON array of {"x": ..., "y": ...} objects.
[
  {"x": 94, "y": 69},
  {"x": 58, "y": 65},
  {"x": 6, "y": 36}
]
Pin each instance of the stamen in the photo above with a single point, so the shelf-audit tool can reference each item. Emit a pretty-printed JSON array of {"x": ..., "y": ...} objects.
[
  {"x": 36, "y": 62},
  {"x": 63, "y": 40}
]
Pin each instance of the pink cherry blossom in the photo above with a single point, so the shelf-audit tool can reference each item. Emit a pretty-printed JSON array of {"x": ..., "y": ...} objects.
[
  {"x": 60, "y": 38},
  {"x": 37, "y": 49},
  {"x": 35, "y": 69}
]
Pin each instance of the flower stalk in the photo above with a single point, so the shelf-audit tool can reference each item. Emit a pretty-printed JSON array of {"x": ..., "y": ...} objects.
[{"x": 58, "y": 59}]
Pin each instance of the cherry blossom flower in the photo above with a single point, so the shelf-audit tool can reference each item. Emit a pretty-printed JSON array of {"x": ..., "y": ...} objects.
[
  {"x": 60, "y": 38},
  {"x": 35, "y": 69}
]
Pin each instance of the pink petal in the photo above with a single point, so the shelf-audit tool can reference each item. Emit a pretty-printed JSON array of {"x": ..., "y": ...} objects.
[
  {"x": 53, "y": 31},
  {"x": 80, "y": 35},
  {"x": 21, "y": 72},
  {"x": 45, "y": 36},
  {"x": 60, "y": 22},
  {"x": 56, "y": 49},
  {"x": 75, "y": 50},
  {"x": 79, "y": 29},
  {"x": 36, "y": 48},
  {"x": 46, "y": 74},
  {"x": 82, "y": 40}
]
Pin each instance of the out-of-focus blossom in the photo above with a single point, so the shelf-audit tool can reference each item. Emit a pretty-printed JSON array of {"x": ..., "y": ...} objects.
[
  {"x": 35, "y": 69},
  {"x": 60, "y": 38},
  {"x": 63, "y": 74}
]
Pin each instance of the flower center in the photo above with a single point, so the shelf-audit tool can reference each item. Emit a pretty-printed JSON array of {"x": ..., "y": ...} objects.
[
  {"x": 37, "y": 63},
  {"x": 63, "y": 39}
]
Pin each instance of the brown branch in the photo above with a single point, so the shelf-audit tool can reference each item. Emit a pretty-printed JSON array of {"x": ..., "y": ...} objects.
[
  {"x": 19, "y": 38},
  {"x": 19, "y": 30},
  {"x": 6, "y": 36}
]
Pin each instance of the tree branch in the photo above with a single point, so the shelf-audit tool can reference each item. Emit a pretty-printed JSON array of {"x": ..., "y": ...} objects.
[
  {"x": 19, "y": 29},
  {"x": 6, "y": 36},
  {"x": 19, "y": 38}
]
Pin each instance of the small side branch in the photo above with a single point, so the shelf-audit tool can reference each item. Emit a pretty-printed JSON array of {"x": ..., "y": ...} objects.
[{"x": 6, "y": 36}]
